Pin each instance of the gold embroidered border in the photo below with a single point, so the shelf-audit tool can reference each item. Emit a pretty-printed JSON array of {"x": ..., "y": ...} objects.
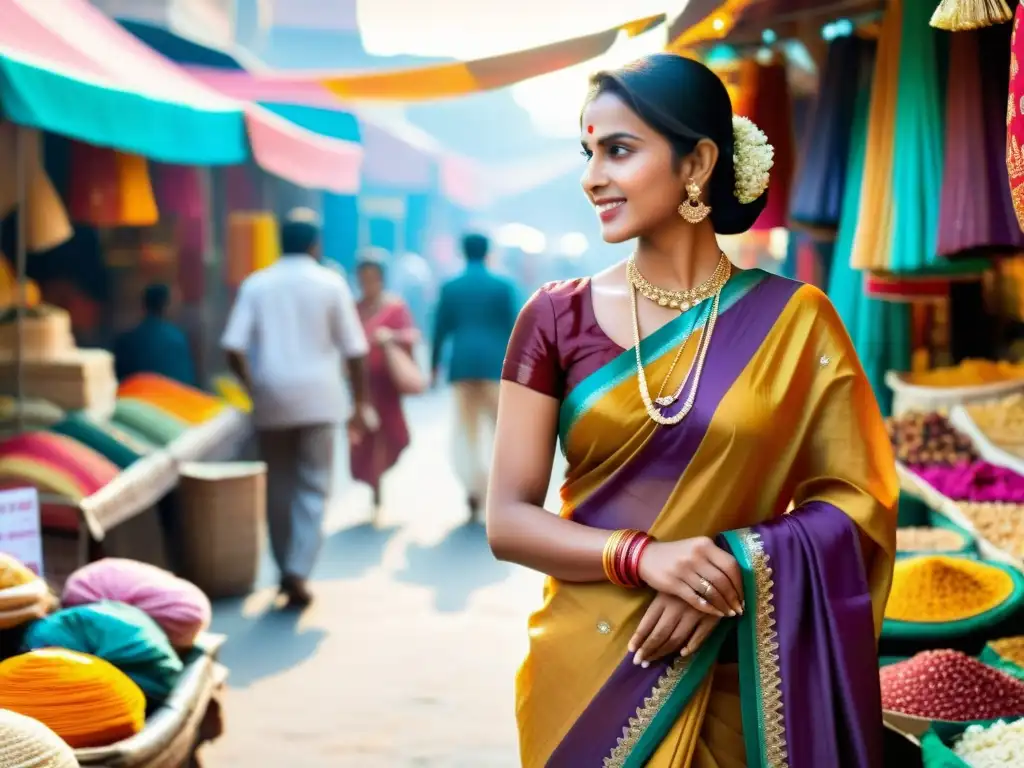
[
  {"x": 776, "y": 753},
  {"x": 645, "y": 714}
]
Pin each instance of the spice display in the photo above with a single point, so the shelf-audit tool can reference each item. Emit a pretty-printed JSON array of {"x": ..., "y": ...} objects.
[
  {"x": 950, "y": 685},
  {"x": 1000, "y": 524},
  {"x": 927, "y": 439},
  {"x": 997, "y": 746},
  {"x": 1010, "y": 648},
  {"x": 969, "y": 373},
  {"x": 978, "y": 481},
  {"x": 1002, "y": 422},
  {"x": 922, "y": 539},
  {"x": 940, "y": 588}
]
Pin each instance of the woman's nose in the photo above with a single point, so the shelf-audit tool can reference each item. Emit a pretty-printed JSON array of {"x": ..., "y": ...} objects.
[{"x": 594, "y": 177}]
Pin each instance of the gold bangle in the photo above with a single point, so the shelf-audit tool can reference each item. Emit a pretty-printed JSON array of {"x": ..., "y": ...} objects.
[{"x": 608, "y": 556}]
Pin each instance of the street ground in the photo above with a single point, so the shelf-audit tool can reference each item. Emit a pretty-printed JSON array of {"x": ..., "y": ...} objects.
[{"x": 408, "y": 656}]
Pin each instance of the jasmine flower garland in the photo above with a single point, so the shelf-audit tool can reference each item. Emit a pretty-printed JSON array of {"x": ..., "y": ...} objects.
[{"x": 752, "y": 159}]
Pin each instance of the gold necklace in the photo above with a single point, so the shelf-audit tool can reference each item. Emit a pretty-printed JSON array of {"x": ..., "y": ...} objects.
[
  {"x": 696, "y": 365},
  {"x": 681, "y": 300}
]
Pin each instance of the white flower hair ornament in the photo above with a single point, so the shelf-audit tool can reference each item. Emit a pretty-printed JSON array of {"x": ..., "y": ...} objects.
[{"x": 752, "y": 159}]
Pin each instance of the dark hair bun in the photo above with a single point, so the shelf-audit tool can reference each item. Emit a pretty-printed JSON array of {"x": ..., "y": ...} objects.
[{"x": 685, "y": 102}]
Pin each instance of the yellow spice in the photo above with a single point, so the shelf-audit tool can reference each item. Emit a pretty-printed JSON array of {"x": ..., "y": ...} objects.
[{"x": 938, "y": 588}]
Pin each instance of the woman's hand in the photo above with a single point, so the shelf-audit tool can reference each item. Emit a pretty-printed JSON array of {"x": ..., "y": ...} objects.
[
  {"x": 670, "y": 625},
  {"x": 384, "y": 336},
  {"x": 696, "y": 570}
]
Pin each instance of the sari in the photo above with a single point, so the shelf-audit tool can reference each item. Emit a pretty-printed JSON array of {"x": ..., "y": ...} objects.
[
  {"x": 784, "y": 414},
  {"x": 380, "y": 450}
]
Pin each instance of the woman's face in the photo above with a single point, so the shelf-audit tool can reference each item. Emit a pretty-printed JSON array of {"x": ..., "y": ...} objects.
[
  {"x": 632, "y": 178},
  {"x": 371, "y": 282}
]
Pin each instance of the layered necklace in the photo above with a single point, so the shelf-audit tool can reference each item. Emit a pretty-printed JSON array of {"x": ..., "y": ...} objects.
[{"x": 683, "y": 301}]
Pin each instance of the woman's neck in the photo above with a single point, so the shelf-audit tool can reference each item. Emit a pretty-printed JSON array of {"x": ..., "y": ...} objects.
[{"x": 680, "y": 259}]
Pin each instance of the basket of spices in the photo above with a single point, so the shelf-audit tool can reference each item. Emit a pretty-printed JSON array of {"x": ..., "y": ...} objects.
[
  {"x": 1006, "y": 654},
  {"x": 941, "y": 538},
  {"x": 943, "y": 687},
  {"x": 944, "y": 597},
  {"x": 1000, "y": 523},
  {"x": 989, "y": 744}
]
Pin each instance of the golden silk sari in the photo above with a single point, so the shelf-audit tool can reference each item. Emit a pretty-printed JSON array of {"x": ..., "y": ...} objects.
[{"x": 784, "y": 414}]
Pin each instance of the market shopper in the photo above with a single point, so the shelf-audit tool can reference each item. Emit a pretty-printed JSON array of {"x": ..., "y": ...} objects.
[
  {"x": 689, "y": 621},
  {"x": 155, "y": 345},
  {"x": 293, "y": 337}
]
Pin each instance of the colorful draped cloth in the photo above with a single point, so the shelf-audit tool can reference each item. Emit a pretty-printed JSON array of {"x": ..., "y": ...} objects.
[{"x": 784, "y": 413}]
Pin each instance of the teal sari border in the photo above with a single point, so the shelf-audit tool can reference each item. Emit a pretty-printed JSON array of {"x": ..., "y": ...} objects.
[
  {"x": 583, "y": 397},
  {"x": 750, "y": 679},
  {"x": 630, "y": 754}
]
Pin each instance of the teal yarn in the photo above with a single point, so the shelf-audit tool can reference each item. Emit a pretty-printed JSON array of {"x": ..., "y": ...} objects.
[
  {"x": 153, "y": 424},
  {"x": 118, "y": 633},
  {"x": 89, "y": 433}
]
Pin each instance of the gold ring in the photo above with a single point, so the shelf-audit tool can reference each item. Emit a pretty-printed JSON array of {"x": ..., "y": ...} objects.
[{"x": 707, "y": 587}]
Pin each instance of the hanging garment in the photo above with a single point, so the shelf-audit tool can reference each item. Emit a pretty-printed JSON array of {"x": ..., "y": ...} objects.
[
  {"x": 976, "y": 207},
  {"x": 138, "y": 206},
  {"x": 773, "y": 114},
  {"x": 47, "y": 224},
  {"x": 1015, "y": 119},
  {"x": 817, "y": 198}
]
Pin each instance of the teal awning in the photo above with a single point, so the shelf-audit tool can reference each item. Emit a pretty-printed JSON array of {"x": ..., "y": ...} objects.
[{"x": 68, "y": 69}]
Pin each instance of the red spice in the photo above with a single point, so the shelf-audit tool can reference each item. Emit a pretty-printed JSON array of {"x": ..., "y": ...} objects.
[{"x": 949, "y": 685}]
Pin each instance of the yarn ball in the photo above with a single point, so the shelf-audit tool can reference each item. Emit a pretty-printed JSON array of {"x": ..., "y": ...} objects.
[
  {"x": 86, "y": 701},
  {"x": 118, "y": 633},
  {"x": 27, "y": 743},
  {"x": 177, "y": 605}
]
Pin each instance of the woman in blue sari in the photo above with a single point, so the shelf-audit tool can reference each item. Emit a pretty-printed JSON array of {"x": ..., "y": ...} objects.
[{"x": 724, "y": 551}]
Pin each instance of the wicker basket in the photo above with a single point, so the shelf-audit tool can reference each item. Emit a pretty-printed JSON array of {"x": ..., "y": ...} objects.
[
  {"x": 914, "y": 397},
  {"x": 223, "y": 507}
]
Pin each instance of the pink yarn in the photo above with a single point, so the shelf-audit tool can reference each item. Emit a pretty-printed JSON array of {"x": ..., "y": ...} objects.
[
  {"x": 976, "y": 481},
  {"x": 177, "y": 605}
]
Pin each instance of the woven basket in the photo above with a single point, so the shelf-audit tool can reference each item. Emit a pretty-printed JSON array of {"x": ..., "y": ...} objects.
[
  {"x": 914, "y": 397},
  {"x": 223, "y": 508}
]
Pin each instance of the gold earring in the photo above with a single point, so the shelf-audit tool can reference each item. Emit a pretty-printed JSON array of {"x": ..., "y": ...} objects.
[{"x": 693, "y": 210}]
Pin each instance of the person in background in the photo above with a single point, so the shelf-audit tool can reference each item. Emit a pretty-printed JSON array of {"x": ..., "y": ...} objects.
[
  {"x": 475, "y": 315},
  {"x": 386, "y": 320},
  {"x": 156, "y": 345},
  {"x": 292, "y": 337}
]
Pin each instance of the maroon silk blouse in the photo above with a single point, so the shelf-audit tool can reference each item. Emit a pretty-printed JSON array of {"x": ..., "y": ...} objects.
[{"x": 557, "y": 342}]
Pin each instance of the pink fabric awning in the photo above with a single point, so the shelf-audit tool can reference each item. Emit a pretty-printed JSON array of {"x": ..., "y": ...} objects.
[{"x": 71, "y": 35}]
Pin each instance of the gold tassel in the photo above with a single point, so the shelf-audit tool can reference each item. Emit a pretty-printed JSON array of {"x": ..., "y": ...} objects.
[{"x": 964, "y": 15}]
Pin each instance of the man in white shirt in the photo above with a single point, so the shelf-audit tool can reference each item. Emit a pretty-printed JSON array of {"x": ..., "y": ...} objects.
[{"x": 293, "y": 333}]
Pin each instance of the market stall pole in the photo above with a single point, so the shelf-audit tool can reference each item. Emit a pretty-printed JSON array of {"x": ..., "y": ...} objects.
[{"x": 21, "y": 267}]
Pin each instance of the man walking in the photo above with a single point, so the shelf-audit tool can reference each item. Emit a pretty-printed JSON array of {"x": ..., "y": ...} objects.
[
  {"x": 475, "y": 315},
  {"x": 292, "y": 337}
]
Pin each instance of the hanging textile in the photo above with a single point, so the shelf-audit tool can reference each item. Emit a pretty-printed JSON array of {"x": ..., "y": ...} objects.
[
  {"x": 918, "y": 143},
  {"x": 965, "y": 15},
  {"x": 1015, "y": 120},
  {"x": 252, "y": 244},
  {"x": 47, "y": 224},
  {"x": 872, "y": 234},
  {"x": 880, "y": 330},
  {"x": 138, "y": 206},
  {"x": 182, "y": 198},
  {"x": 976, "y": 209},
  {"x": 817, "y": 198},
  {"x": 773, "y": 114}
]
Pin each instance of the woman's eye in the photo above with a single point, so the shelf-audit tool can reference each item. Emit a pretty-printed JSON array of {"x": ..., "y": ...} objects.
[
  {"x": 617, "y": 151},
  {"x": 586, "y": 153}
]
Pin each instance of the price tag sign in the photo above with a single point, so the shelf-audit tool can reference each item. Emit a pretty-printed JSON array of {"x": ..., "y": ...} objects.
[{"x": 20, "y": 529}]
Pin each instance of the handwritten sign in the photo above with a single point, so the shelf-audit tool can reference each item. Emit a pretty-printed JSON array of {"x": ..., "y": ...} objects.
[{"x": 20, "y": 532}]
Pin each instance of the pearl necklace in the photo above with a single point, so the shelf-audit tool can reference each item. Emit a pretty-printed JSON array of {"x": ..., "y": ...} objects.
[{"x": 696, "y": 365}]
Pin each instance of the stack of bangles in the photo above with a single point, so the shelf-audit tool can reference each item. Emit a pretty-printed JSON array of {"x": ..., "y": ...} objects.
[{"x": 621, "y": 557}]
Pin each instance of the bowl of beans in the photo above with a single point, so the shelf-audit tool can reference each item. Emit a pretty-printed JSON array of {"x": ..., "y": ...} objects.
[{"x": 933, "y": 540}]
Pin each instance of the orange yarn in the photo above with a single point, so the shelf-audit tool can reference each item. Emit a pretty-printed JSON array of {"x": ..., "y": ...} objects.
[
  {"x": 86, "y": 701},
  {"x": 187, "y": 403}
]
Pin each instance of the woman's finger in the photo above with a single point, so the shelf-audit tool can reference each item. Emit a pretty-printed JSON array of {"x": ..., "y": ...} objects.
[
  {"x": 685, "y": 627},
  {"x": 690, "y": 596},
  {"x": 707, "y": 588},
  {"x": 698, "y": 636},
  {"x": 658, "y": 636},
  {"x": 647, "y": 623},
  {"x": 727, "y": 564}
]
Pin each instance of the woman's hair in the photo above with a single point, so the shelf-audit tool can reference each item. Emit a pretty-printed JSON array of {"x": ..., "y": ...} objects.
[
  {"x": 373, "y": 258},
  {"x": 685, "y": 102}
]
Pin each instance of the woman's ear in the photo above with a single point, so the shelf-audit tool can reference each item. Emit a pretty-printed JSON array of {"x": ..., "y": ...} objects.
[{"x": 699, "y": 164}]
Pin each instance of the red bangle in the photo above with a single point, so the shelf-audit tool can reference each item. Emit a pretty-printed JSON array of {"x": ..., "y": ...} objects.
[{"x": 633, "y": 572}]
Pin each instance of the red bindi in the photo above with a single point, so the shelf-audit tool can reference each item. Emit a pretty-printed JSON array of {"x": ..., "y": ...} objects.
[{"x": 590, "y": 129}]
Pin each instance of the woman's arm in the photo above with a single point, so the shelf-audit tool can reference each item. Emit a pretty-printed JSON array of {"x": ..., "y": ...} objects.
[{"x": 519, "y": 529}]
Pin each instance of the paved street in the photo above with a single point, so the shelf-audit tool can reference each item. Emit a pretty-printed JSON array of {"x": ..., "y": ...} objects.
[{"x": 408, "y": 656}]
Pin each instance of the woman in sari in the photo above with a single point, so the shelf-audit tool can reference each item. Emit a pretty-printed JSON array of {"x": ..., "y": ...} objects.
[
  {"x": 386, "y": 320},
  {"x": 719, "y": 569}
]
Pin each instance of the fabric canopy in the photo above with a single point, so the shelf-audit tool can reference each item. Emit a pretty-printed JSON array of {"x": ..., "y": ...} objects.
[
  {"x": 461, "y": 78},
  {"x": 702, "y": 21},
  {"x": 66, "y": 68}
]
